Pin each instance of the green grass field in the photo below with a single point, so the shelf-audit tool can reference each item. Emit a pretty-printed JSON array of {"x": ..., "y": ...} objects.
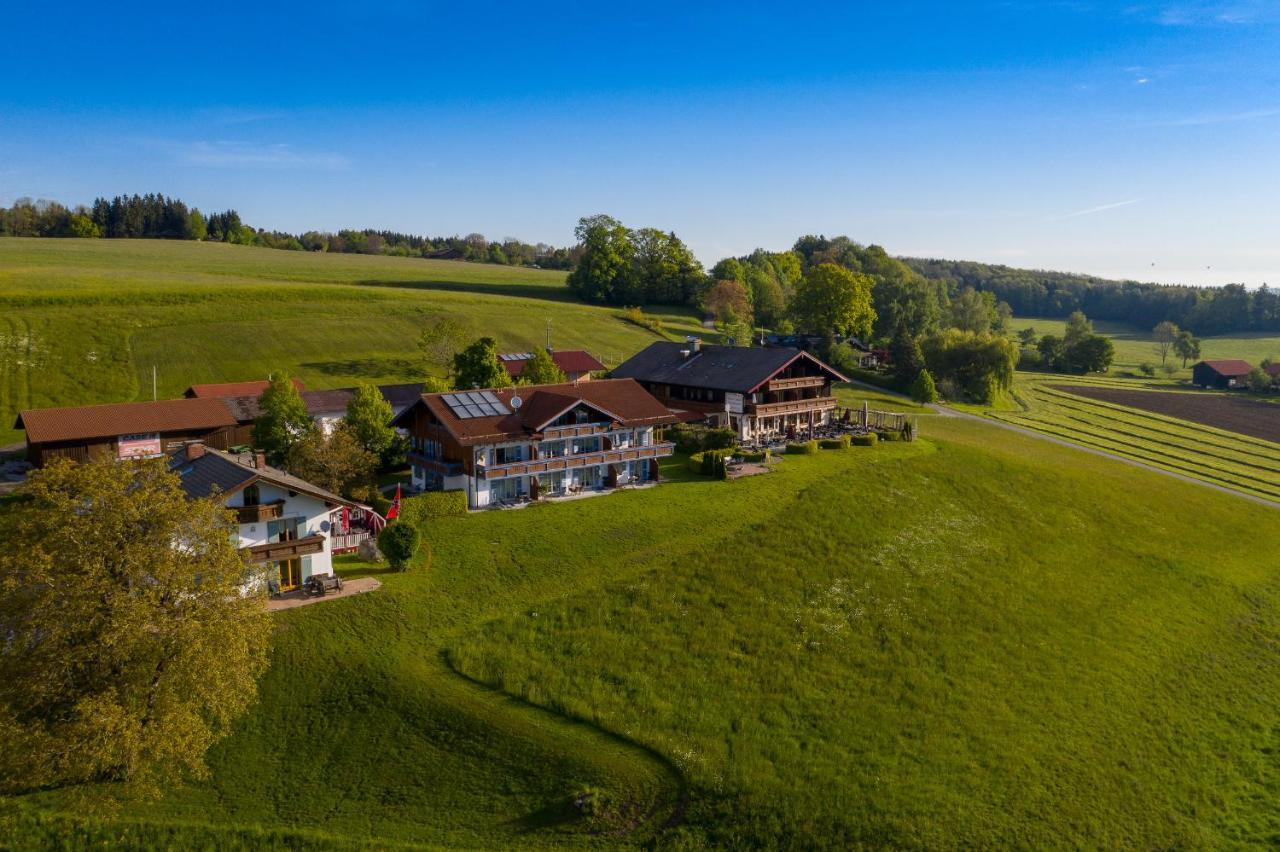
[
  {"x": 978, "y": 639},
  {"x": 85, "y": 321},
  {"x": 1135, "y": 346}
]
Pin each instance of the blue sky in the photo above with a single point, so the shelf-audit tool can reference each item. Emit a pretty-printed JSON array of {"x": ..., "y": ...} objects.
[{"x": 1136, "y": 139}]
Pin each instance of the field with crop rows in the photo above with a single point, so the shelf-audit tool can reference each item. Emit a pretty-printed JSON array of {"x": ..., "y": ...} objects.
[{"x": 1241, "y": 462}]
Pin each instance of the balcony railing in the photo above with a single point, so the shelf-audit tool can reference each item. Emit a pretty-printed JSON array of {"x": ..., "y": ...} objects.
[
  {"x": 439, "y": 465},
  {"x": 545, "y": 465},
  {"x": 259, "y": 513},
  {"x": 276, "y": 551},
  {"x": 796, "y": 406},
  {"x": 796, "y": 383}
]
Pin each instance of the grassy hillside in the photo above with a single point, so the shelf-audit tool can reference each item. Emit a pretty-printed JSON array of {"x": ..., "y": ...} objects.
[
  {"x": 85, "y": 321},
  {"x": 977, "y": 639},
  {"x": 1135, "y": 345}
]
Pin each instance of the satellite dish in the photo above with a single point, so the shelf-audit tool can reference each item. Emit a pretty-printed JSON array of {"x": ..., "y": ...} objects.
[{"x": 516, "y": 402}]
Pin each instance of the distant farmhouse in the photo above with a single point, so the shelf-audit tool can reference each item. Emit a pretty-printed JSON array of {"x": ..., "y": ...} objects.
[
  {"x": 512, "y": 445},
  {"x": 758, "y": 393},
  {"x": 288, "y": 528},
  {"x": 205, "y": 414},
  {"x": 576, "y": 364},
  {"x": 1222, "y": 375}
]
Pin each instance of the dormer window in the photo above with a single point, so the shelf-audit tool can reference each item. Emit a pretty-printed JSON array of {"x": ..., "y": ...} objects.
[{"x": 252, "y": 496}]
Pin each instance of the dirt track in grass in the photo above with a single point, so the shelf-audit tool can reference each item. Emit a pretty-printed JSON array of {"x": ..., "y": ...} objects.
[{"x": 1234, "y": 414}]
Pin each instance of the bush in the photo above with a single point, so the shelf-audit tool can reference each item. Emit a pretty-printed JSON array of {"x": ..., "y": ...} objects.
[
  {"x": 636, "y": 316},
  {"x": 1148, "y": 369},
  {"x": 433, "y": 504},
  {"x": 710, "y": 463},
  {"x": 871, "y": 377},
  {"x": 841, "y": 443},
  {"x": 888, "y": 436},
  {"x": 923, "y": 389},
  {"x": 806, "y": 448},
  {"x": 719, "y": 439},
  {"x": 757, "y": 456},
  {"x": 695, "y": 438},
  {"x": 867, "y": 440},
  {"x": 398, "y": 541}
]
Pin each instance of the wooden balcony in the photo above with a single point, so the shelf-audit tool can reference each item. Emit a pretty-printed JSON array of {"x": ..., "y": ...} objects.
[
  {"x": 569, "y": 462},
  {"x": 287, "y": 549},
  {"x": 259, "y": 513},
  {"x": 796, "y": 383},
  {"x": 797, "y": 406}
]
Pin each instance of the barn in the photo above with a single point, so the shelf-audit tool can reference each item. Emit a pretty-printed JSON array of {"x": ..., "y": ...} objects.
[{"x": 1224, "y": 374}]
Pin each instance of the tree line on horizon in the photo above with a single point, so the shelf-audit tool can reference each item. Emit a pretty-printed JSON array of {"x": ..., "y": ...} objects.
[
  {"x": 613, "y": 264},
  {"x": 155, "y": 216}
]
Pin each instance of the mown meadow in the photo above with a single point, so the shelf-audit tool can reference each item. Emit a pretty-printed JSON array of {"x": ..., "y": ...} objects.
[
  {"x": 85, "y": 321},
  {"x": 976, "y": 639}
]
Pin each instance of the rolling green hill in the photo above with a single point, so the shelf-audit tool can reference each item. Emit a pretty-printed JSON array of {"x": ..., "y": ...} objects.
[
  {"x": 979, "y": 639},
  {"x": 84, "y": 321}
]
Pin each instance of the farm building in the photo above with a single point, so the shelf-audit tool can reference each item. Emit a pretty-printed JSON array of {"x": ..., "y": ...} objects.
[
  {"x": 1223, "y": 374},
  {"x": 757, "y": 392},
  {"x": 223, "y": 390},
  {"x": 576, "y": 364},
  {"x": 132, "y": 429},
  {"x": 127, "y": 429},
  {"x": 512, "y": 445},
  {"x": 288, "y": 528}
]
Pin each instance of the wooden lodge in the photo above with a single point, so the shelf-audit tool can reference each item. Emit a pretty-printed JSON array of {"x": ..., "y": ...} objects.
[{"x": 759, "y": 393}]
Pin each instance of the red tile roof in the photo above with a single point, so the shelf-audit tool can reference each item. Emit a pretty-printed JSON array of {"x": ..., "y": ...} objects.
[
  {"x": 1229, "y": 366},
  {"x": 44, "y": 425},
  {"x": 1273, "y": 370},
  {"x": 569, "y": 360},
  {"x": 226, "y": 389},
  {"x": 624, "y": 399}
]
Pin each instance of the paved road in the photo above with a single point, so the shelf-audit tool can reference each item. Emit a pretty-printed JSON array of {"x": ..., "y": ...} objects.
[{"x": 1031, "y": 433}]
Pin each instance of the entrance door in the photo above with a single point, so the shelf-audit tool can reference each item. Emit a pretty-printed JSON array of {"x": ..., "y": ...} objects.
[{"x": 290, "y": 574}]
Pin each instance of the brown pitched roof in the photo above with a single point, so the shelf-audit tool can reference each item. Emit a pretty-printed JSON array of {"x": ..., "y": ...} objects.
[
  {"x": 226, "y": 389},
  {"x": 1229, "y": 366},
  {"x": 743, "y": 369},
  {"x": 216, "y": 471},
  {"x": 45, "y": 425},
  {"x": 623, "y": 399},
  {"x": 319, "y": 402},
  {"x": 568, "y": 360},
  {"x": 1273, "y": 370}
]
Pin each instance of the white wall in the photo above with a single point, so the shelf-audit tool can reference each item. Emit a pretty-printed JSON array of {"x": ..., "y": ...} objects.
[{"x": 313, "y": 518}]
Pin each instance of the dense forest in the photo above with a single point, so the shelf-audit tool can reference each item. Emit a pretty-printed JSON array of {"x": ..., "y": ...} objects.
[
  {"x": 155, "y": 216},
  {"x": 1206, "y": 310}
]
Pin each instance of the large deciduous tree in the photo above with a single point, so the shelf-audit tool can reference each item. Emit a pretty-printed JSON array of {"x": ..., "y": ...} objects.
[
  {"x": 1187, "y": 347},
  {"x": 129, "y": 648},
  {"x": 336, "y": 462},
  {"x": 603, "y": 271},
  {"x": 282, "y": 420},
  {"x": 478, "y": 366},
  {"x": 441, "y": 339},
  {"x": 980, "y": 365},
  {"x": 831, "y": 298}
]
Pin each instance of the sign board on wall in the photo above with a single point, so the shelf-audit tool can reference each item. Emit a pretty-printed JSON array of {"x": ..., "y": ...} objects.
[
  {"x": 138, "y": 446},
  {"x": 733, "y": 403}
]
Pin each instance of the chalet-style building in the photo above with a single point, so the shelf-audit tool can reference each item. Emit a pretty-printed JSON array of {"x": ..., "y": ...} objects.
[
  {"x": 327, "y": 407},
  {"x": 128, "y": 429},
  {"x": 757, "y": 392},
  {"x": 510, "y": 445},
  {"x": 288, "y": 528},
  {"x": 1224, "y": 374},
  {"x": 576, "y": 364}
]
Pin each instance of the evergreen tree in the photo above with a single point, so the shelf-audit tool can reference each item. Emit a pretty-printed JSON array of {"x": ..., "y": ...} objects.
[
  {"x": 908, "y": 360},
  {"x": 923, "y": 390}
]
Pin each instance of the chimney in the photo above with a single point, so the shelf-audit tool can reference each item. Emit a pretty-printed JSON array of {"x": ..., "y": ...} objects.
[
  {"x": 195, "y": 451},
  {"x": 259, "y": 459},
  {"x": 695, "y": 343}
]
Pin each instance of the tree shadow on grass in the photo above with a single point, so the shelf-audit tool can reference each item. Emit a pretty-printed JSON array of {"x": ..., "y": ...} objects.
[
  {"x": 365, "y": 368},
  {"x": 541, "y": 292}
]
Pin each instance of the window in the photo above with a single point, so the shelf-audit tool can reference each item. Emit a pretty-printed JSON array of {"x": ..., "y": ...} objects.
[{"x": 252, "y": 497}]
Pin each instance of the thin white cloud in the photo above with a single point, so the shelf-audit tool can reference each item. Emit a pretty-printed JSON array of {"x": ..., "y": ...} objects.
[
  {"x": 1089, "y": 211},
  {"x": 231, "y": 154},
  {"x": 1211, "y": 12},
  {"x": 1218, "y": 118}
]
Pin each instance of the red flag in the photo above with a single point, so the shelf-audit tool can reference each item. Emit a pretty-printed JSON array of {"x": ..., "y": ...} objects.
[
  {"x": 346, "y": 519},
  {"x": 394, "y": 511}
]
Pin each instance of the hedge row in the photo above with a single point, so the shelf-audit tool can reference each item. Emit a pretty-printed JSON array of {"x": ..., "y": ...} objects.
[
  {"x": 761, "y": 455},
  {"x": 433, "y": 504},
  {"x": 806, "y": 448},
  {"x": 710, "y": 463},
  {"x": 867, "y": 440},
  {"x": 834, "y": 443}
]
